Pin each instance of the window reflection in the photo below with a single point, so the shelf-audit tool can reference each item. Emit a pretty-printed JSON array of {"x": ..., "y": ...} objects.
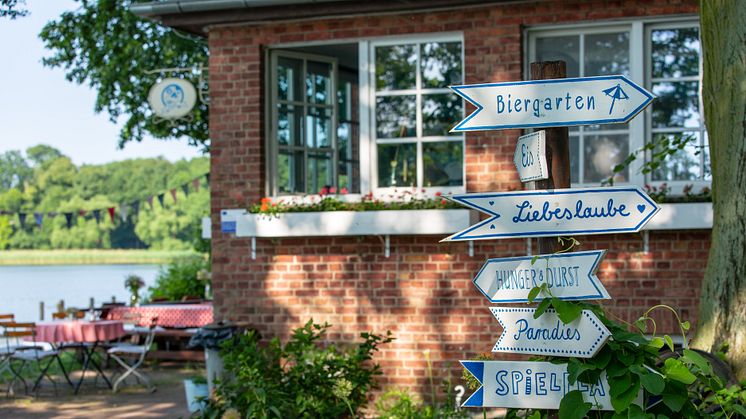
[
  {"x": 440, "y": 64},
  {"x": 395, "y": 116},
  {"x": 675, "y": 52},
  {"x": 396, "y": 67},
  {"x": 685, "y": 163},
  {"x": 677, "y": 104},
  {"x": 443, "y": 163},
  {"x": 440, "y": 113},
  {"x": 602, "y": 153},
  {"x": 397, "y": 165},
  {"x": 606, "y": 54}
]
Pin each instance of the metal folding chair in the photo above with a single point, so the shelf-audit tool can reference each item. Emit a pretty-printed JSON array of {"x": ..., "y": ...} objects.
[
  {"x": 131, "y": 357},
  {"x": 25, "y": 354},
  {"x": 5, "y": 349}
]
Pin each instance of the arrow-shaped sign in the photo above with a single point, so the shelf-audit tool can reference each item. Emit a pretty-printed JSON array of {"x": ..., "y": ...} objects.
[
  {"x": 526, "y": 384},
  {"x": 530, "y": 157},
  {"x": 569, "y": 276},
  {"x": 544, "y": 213},
  {"x": 547, "y": 335},
  {"x": 552, "y": 103}
]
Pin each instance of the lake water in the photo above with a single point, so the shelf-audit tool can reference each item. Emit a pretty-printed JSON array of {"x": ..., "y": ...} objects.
[{"x": 23, "y": 287}]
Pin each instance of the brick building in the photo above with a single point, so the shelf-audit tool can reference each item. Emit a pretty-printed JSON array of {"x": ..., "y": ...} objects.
[{"x": 354, "y": 95}]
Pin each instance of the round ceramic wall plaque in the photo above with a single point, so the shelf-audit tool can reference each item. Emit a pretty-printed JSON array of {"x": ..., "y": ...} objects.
[{"x": 172, "y": 98}]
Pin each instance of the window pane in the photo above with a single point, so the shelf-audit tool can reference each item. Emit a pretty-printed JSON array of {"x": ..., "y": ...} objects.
[
  {"x": 440, "y": 64},
  {"x": 601, "y": 154},
  {"x": 677, "y": 105},
  {"x": 440, "y": 113},
  {"x": 443, "y": 163},
  {"x": 289, "y": 74},
  {"x": 606, "y": 54},
  {"x": 396, "y": 67},
  {"x": 395, "y": 117},
  {"x": 318, "y": 82},
  {"x": 565, "y": 48},
  {"x": 290, "y": 172},
  {"x": 346, "y": 168},
  {"x": 289, "y": 126},
  {"x": 397, "y": 164},
  {"x": 574, "y": 159},
  {"x": 319, "y": 127},
  {"x": 707, "y": 172},
  {"x": 684, "y": 164},
  {"x": 319, "y": 172},
  {"x": 675, "y": 52}
]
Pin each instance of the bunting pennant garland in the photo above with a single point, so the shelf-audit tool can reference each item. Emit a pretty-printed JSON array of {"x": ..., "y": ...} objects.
[
  {"x": 125, "y": 210},
  {"x": 69, "y": 219}
]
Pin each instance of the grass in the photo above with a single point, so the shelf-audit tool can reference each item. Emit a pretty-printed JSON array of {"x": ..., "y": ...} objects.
[{"x": 89, "y": 257}]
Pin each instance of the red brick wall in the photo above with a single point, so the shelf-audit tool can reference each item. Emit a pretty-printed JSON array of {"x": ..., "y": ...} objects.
[{"x": 422, "y": 292}]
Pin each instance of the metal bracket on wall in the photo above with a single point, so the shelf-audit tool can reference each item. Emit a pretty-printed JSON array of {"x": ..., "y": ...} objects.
[
  {"x": 253, "y": 248},
  {"x": 646, "y": 241},
  {"x": 529, "y": 250},
  {"x": 471, "y": 248},
  {"x": 387, "y": 246}
]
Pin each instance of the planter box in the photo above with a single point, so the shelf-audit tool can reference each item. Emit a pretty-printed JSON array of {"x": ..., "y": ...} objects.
[
  {"x": 690, "y": 216},
  {"x": 345, "y": 223}
]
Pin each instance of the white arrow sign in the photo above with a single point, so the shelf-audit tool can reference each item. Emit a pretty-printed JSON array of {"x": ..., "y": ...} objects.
[
  {"x": 621, "y": 209},
  {"x": 530, "y": 158},
  {"x": 526, "y": 384},
  {"x": 552, "y": 103},
  {"x": 547, "y": 335},
  {"x": 569, "y": 276}
]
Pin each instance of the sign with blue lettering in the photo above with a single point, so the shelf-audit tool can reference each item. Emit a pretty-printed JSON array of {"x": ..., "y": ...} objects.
[
  {"x": 552, "y": 103},
  {"x": 569, "y": 276},
  {"x": 530, "y": 158},
  {"x": 526, "y": 384},
  {"x": 545, "y": 213},
  {"x": 547, "y": 335}
]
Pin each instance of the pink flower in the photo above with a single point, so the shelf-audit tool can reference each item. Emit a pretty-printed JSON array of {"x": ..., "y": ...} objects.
[
  {"x": 343, "y": 191},
  {"x": 324, "y": 191},
  {"x": 438, "y": 193},
  {"x": 332, "y": 190}
]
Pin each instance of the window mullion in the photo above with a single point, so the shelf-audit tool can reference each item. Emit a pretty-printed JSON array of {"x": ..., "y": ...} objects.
[
  {"x": 418, "y": 123},
  {"x": 637, "y": 137}
]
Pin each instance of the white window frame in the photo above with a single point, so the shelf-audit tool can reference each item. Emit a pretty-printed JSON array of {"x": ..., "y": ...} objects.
[{"x": 640, "y": 70}]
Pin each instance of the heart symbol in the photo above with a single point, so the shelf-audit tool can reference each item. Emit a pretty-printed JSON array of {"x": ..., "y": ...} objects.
[
  {"x": 492, "y": 202},
  {"x": 641, "y": 208},
  {"x": 492, "y": 227}
]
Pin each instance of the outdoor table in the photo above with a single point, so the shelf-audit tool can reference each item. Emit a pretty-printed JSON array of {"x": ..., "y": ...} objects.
[
  {"x": 89, "y": 333},
  {"x": 177, "y": 316}
]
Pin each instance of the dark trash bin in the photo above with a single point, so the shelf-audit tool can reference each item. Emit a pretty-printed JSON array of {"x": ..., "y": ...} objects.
[{"x": 210, "y": 337}]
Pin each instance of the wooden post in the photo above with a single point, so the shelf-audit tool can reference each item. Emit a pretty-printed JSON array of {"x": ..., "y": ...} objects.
[
  {"x": 557, "y": 148},
  {"x": 41, "y": 311}
]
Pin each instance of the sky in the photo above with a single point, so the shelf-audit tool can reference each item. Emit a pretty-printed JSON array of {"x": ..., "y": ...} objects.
[{"x": 37, "y": 104}]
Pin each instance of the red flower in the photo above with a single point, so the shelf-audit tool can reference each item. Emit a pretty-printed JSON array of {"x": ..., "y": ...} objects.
[
  {"x": 265, "y": 204},
  {"x": 324, "y": 191},
  {"x": 332, "y": 190},
  {"x": 438, "y": 193},
  {"x": 343, "y": 191}
]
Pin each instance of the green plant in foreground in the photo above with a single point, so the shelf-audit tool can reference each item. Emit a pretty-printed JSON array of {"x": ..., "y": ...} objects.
[{"x": 181, "y": 279}]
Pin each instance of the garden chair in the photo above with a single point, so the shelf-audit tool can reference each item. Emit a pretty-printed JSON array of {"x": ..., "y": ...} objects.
[
  {"x": 5, "y": 350},
  {"x": 27, "y": 354},
  {"x": 131, "y": 357}
]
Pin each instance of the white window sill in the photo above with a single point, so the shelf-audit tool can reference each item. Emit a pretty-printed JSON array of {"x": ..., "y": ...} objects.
[{"x": 685, "y": 216}]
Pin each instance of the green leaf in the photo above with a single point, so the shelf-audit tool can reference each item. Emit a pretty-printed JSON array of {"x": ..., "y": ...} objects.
[
  {"x": 624, "y": 390},
  {"x": 669, "y": 342},
  {"x": 602, "y": 358},
  {"x": 535, "y": 415},
  {"x": 566, "y": 311},
  {"x": 674, "y": 399},
  {"x": 739, "y": 409},
  {"x": 533, "y": 294},
  {"x": 635, "y": 412},
  {"x": 653, "y": 383},
  {"x": 534, "y": 259},
  {"x": 574, "y": 369},
  {"x": 698, "y": 360},
  {"x": 656, "y": 342},
  {"x": 676, "y": 370},
  {"x": 543, "y": 306},
  {"x": 686, "y": 326},
  {"x": 572, "y": 406}
]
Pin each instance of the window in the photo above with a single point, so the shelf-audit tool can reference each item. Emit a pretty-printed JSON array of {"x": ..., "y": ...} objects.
[
  {"x": 413, "y": 112},
  {"x": 665, "y": 58}
]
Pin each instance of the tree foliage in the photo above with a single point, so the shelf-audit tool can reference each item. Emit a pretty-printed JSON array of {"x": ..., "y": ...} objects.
[
  {"x": 52, "y": 184},
  {"x": 11, "y": 9},
  {"x": 102, "y": 44}
]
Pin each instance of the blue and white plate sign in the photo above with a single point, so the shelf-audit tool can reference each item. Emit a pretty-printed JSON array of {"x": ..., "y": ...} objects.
[
  {"x": 547, "y": 335},
  {"x": 530, "y": 157},
  {"x": 569, "y": 276},
  {"x": 552, "y": 103},
  {"x": 545, "y": 213},
  {"x": 531, "y": 385}
]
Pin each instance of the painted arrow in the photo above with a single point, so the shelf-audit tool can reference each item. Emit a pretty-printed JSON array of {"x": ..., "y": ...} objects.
[
  {"x": 547, "y": 335},
  {"x": 569, "y": 276},
  {"x": 526, "y": 384},
  {"x": 552, "y": 103},
  {"x": 530, "y": 157},
  {"x": 544, "y": 213}
]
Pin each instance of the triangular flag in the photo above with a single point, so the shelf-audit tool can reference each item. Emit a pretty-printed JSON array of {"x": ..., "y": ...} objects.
[
  {"x": 52, "y": 214},
  {"x": 97, "y": 215},
  {"x": 150, "y": 202},
  {"x": 207, "y": 178},
  {"x": 69, "y": 219},
  {"x": 173, "y": 194},
  {"x": 38, "y": 216},
  {"x": 160, "y": 199},
  {"x": 111, "y": 213},
  {"x": 82, "y": 213},
  {"x": 123, "y": 212},
  {"x": 135, "y": 208},
  {"x": 3, "y": 212},
  {"x": 22, "y": 219},
  {"x": 185, "y": 188},
  {"x": 195, "y": 184}
]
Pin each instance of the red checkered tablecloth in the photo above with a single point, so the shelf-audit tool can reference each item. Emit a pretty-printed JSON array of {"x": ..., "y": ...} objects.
[
  {"x": 169, "y": 315},
  {"x": 79, "y": 331}
]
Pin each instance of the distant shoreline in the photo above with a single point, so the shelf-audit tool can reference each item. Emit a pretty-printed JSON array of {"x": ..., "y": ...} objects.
[{"x": 90, "y": 257}]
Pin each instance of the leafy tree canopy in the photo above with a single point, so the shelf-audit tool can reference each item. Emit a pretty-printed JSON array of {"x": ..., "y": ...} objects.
[
  {"x": 103, "y": 45},
  {"x": 10, "y": 8}
]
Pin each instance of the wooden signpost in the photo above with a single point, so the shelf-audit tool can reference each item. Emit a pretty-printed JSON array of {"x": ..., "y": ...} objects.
[{"x": 552, "y": 102}]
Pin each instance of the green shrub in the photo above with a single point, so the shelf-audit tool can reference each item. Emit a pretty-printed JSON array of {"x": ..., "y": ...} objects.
[
  {"x": 180, "y": 279},
  {"x": 302, "y": 379},
  {"x": 400, "y": 404}
]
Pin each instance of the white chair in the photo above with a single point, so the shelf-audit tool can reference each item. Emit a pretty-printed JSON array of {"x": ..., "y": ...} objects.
[
  {"x": 131, "y": 357},
  {"x": 26, "y": 352}
]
